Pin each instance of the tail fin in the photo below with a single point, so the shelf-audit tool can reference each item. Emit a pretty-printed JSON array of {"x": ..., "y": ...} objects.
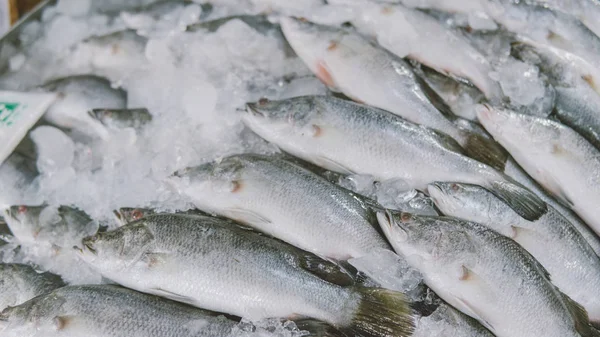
[
  {"x": 382, "y": 312},
  {"x": 316, "y": 328},
  {"x": 523, "y": 201}
]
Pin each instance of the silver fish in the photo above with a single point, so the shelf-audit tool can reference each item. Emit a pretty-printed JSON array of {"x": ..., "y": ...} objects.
[
  {"x": 20, "y": 283},
  {"x": 557, "y": 157},
  {"x": 217, "y": 265},
  {"x": 286, "y": 201},
  {"x": 61, "y": 226},
  {"x": 485, "y": 275},
  {"x": 122, "y": 118},
  {"x": 352, "y": 138},
  {"x": 446, "y": 321},
  {"x": 78, "y": 95},
  {"x": 572, "y": 263},
  {"x": 126, "y": 215},
  {"x": 348, "y": 63},
  {"x": 108, "y": 310}
]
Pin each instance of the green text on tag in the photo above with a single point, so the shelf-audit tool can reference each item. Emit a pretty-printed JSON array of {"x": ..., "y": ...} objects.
[{"x": 9, "y": 112}]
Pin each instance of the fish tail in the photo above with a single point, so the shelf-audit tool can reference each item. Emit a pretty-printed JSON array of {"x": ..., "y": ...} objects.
[
  {"x": 382, "y": 312},
  {"x": 523, "y": 201},
  {"x": 316, "y": 328}
]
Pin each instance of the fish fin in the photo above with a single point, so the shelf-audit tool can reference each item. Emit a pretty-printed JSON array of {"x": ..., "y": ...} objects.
[
  {"x": 323, "y": 74},
  {"x": 381, "y": 312},
  {"x": 326, "y": 270},
  {"x": 580, "y": 316},
  {"x": 473, "y": 312},
  {"x": 446, "y": 141},
  {"x": 524, "y": 202},
  {"x": 246, "y": 216},
  {"x": 316, "y": 328},
  {"x": 172, "y": 296},
  {"x": 469, "y": 276},
  {"x": 332, "y": 165},
  {"x": 485, "y": 150},
  {"x": 556, "y": 190},
  {"x": 62, "y": 323}
]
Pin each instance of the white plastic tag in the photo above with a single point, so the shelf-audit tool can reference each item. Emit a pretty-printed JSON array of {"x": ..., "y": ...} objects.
[{"x": 19, "y": 111}]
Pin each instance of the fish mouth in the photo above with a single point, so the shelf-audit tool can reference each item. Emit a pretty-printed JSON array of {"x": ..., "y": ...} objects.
[
  {"x": 435, "y": 190},
  {"x": 87, "y": 245},
  {"x": 252, "y": 108}
]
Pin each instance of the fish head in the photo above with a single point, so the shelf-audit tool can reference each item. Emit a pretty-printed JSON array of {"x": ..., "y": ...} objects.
[
  {"x": 212, "y": 186},
  {"x": 515, "y": 131},
  {"x": 422, "y": 239},
  {"x": 126, "y": 215},
  {"x": 36, "y": 315},
  {"x": 114, "y": 250},
  {"x": 295, "y": 117},
  {"x": 24, "y": 222},
  {"x": 311, "y": 42},
  {"x": 465, "y": 201}
]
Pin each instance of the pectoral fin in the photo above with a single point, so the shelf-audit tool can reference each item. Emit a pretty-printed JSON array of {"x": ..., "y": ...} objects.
[
  {"x": 246, "y": 216},
  {"x": 172, "y": 296},
  {"x": 332, "y": 165}
]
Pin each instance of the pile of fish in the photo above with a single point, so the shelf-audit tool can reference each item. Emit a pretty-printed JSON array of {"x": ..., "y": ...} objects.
[{"x": 281, "y": 168}]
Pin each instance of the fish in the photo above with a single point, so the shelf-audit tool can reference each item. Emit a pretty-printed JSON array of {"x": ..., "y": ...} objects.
[
  {"x": 286, "y": 201},
  {"x": 122, "y": 118},
  {"x": 76, "y": 96},
  {"x": 556, "y": 156},
  {"x": 352, "y": 138},
  {"x": 572, "y": 263},
  {"x": 485, "y": 275},
  {"x": 217, "y": 265},
  {"x": 348, "y": 63},
  {"x": 447, "y": 321},
  {"x": 109, "y": 310},
  {"x": 411, "y": 33},
  {"x": 20, "y": 283},
  {"x": 62, "y": 226},
  {"x": 577, "y": 102}
]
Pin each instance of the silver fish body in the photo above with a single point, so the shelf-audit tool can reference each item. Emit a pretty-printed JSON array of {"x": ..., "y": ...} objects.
[
  {"x": 557, "y": 157},
  {"x": 20, "y": 283},
  {"x": 217, "y": 265},
  {"x": 573, "y": 265},
  {"x": 352, "y": 138},
  {"x": 122, "y": 118},
  {"x": 447, "y": 321},
  {"x": 485, "y": 275},
  {"x": 286, "y": 201},
  {"x": 108, "y": 310}
]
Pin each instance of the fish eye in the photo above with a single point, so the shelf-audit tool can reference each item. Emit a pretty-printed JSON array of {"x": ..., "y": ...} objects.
[
  {"x": 137, "y": 214},
  {"x": 454, "y": 187},
  {"x": 22, "y": 209},
  {"x": 263, "y": 101},
  {"x": 405, "y": 217}
]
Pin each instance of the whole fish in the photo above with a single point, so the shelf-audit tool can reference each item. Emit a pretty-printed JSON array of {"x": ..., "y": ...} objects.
[
  {"x": 513, "y": 170},
  {"x": 286, "y": 201},
  {"x": 352, "y": 138},
  {"x": 485, "y": 275},
  {"x": 446, "y": 321},
  {"x": 577, "y": 102},
  {"x": 122, "y": 118},
  {"x": 108, "y": 310},
  {"x": 62, "y": 226},
  {"x": 78, "y": 95},
  {"x": 20, "y": 283},
  {"x": 412, "y": 33},
  {"x": 557, "y": 157},
  {"x": 349, "y": 63},
  {"x": 217, "y": 265},
  {"x": 572, "y": 263}
]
